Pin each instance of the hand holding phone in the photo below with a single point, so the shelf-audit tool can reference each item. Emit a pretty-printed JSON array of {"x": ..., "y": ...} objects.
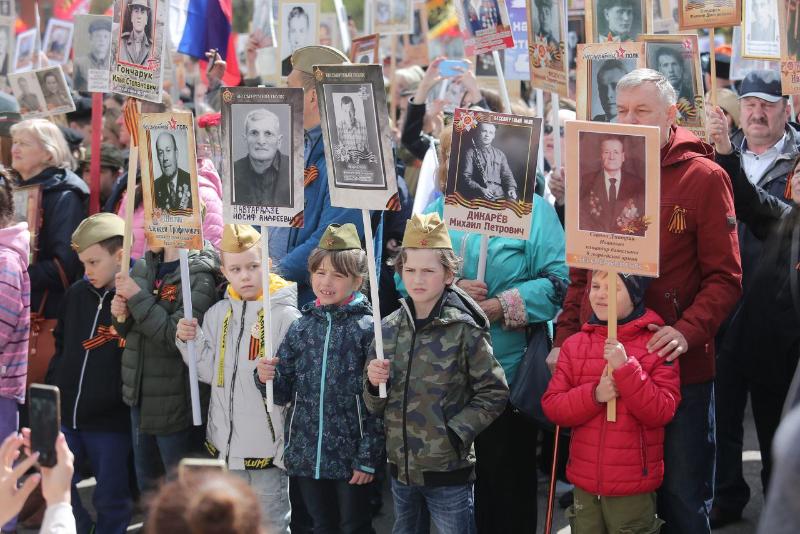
[
  {"x": 453, "y": 67},
  {"x": 45, "y": 418}
]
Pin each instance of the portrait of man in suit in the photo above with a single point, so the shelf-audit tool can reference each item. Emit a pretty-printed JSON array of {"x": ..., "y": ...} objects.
[
  {"x": 612, "y": 196},
  {"x": 173, "y": 189},
  {"x": 300, "y": 34},
  {"x": 263, "y": 177}
]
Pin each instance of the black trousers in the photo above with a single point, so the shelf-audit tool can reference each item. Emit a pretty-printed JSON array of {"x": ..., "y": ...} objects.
[
  {"x": 505, "y": 487},
  {"x": 336, "y": 506}
]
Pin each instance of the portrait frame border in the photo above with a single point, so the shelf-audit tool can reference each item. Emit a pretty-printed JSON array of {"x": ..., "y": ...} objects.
[{"x": 591, "y": 23}]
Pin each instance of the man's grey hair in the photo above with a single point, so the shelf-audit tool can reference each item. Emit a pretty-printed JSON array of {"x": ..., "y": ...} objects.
[
  {"x": 637, "y": 77},
  {"x": 261, "y": 114}
]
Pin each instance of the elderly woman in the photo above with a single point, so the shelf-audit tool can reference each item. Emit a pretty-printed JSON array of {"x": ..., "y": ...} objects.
[
  {"x": 40, "y": 156},
  {"x": 525, "y": 284}
]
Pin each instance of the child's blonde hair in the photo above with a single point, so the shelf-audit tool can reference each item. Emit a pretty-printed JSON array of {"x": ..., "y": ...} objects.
[
  {"x": 448, "y": 259},
  {"x": 350, "y": 262}
]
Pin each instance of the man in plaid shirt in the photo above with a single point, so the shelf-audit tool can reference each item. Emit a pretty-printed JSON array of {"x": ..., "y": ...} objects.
[{"x": 352, "y": 134}]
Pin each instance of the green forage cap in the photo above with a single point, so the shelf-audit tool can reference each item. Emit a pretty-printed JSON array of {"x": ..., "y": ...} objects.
[
  {"x": 305, "y": 58},
  {"x": 340, "y": 237},
  {"x": 426, "y": 231},
  {"x": 95, "y": 229}
]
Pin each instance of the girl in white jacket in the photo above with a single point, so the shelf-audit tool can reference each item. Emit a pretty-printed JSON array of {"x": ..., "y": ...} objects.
[{"x": 240, "y": 429}]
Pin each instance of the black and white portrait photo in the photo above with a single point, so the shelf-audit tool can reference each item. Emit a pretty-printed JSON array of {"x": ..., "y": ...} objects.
[
  {"x": 485, "y": 171},
  {"x": 604, "y": 77},
  {"x": 92, "y": 53},
  {"x": 23, "y": 51},
  {"x": 57, "y": 41},
  {"x": 263, "y": 29},
  {"x": 6, "y": 35},
  {"x": 546, "y": 24},
  {"x": 354, "y": 136},
  {"x": 576, "y": 33},
  {"x": 136, "y": 41},
  {"x": 484, "y": 65},
  {"x": 6, "y": 8},
  {"x": 26, "y": 90},
  {"x": 299, "y": 25},
  {"x": 172, "y": 187},
  {"x": 262, "y": 168},
  {"x": 55, "y": 90},
  {"x": 677, "y": 63},
  {"x": 612, "y": 187},
  {"x": 762, "y": 40},
  {"x": 393, "y": 17},
  {"x": 617, "y": 20}
]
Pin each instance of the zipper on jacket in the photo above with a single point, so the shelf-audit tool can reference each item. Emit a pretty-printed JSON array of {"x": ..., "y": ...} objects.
[
  {"x": 358, "y": 411},
  {"x": 86, "y": 358},
  {"x": 291, "y": 423},
  {"x": 644, "y": 450},
  {"x": 672, "y": 298},
  {"x": 233, "y": 384},
  {"x": 405, "y": 401},
  {"x": 322, "y": 394}
]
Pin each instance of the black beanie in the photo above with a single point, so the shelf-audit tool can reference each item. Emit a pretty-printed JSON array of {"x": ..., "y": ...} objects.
[{"x": 637, "y": 286}]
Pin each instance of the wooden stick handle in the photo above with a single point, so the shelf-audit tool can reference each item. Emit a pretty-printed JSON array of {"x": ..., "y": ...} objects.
[{"x": 611, "y": 406}]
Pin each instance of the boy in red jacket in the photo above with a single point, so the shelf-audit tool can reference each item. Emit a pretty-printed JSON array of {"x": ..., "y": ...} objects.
[{"x": 616, "y": 467}]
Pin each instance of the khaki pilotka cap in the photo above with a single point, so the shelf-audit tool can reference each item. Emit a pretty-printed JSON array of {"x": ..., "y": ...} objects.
[
  {"x": 426, "y": 231},
  {"x": 305, "y": 58},
  {"x": 238, "y": 238},
  {"x": 97, "y": 228},
  {"x": 340, "y": 237}
]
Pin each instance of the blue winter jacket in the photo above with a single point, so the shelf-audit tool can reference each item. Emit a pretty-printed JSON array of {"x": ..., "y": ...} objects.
[
  {"x": 317, "y": 216},
  {"x": 322, "y": 357}
]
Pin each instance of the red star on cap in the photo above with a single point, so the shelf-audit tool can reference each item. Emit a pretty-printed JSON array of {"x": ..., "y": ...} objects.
[
  {"x": 173, "y": 123},
  {"x": 331, "y": 241},
  {"x": 423, "y": 242}
]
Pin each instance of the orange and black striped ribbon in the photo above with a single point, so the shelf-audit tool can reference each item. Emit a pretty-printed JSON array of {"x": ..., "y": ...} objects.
[
  {"x": 169, "y": 293},
  {"x": 310, "y": 174},
  {"x": 104, "y": 335},
  {"x": 131, "y": 116}
]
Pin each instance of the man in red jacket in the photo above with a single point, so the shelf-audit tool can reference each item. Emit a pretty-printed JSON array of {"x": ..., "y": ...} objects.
[{"x": 700, "y": 283}]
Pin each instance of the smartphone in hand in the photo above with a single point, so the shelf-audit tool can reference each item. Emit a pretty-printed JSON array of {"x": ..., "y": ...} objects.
[
  {"x": 44, "y": 409},
  {"x": 453, "y": 67}
]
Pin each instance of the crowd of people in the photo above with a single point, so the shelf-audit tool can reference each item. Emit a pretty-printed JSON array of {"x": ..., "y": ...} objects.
[{"x": 722, "y": 320}]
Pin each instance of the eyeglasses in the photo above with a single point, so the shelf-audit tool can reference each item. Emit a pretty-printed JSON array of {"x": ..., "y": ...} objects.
[{"x": 549, "y": 129}]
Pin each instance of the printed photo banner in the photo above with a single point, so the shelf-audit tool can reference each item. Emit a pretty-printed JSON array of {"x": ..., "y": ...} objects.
[
  {"x": 42, "y": 93},
  {"x": 169, "y": 180},
  {"x": 760, "y": 23},
  {"x": 617, "y": 227},
  {"x": 616, "y": 20},
  {"x": 356, "y": 136},
  {"x": 677, "y": 57},
  {"x": 137, "y": 48},
  {"x": 694, "y": 14},
  {"x": 393, "y": 17},
  {"x": 485, "y": 26},
  {"x": 92, "y": 53},
  {"x": 262, "y": 132},
  {"x": 599, "y": 67},
  {"x": 789, "y": 17},
  {"x": 547, "y": 45},
  {"x": 492, "y": 173}
]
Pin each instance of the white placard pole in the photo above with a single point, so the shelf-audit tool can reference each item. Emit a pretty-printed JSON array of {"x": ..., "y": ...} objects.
[
  {"x": 482, "y": 257},
  {"x": 501, "y": 77},
  {"x": 373, "y": 290},
  {"x": 186, "y": 290},
  {"x": 267, "y": 307},
  {"x": 556, "y": 122},
  {"x": 540, "y": 113}
]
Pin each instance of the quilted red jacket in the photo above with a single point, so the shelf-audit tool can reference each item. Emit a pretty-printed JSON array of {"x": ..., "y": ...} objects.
[{"x": 625, "y": 457}]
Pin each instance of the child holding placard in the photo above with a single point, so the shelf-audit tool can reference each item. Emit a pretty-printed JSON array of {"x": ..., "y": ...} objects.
[
  {"x": 333, "y": 445},
  {"x": 616, "y": 467},
  {"x": 240, "y": 430},
  {"x": 444, "y": 385}
]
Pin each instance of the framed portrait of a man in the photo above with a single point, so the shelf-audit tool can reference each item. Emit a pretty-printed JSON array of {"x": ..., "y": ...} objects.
[
  {"x": 355, "y": 135},
  {"x": 24, "y": 50},
  {"x": 694, "y": 14},
  {"x": 57, "y": 41},
  {"x": 25, "y": 86},
  {"x": 761, "y": 37},
  {"x": 677, "y": 57},
  {"x": 600, "y": 67},
  {"x": 392, "y": 17},
  {"x": 298, "y": 24},
  {"x": 27, "y": 208},
  {"x": 415, "y": 46},
  {"x": 485, "y": 26},
  {"x": 54, "y": 89},
  {"x": 92, "y": 46},
  {"x": 137, "y": 48},
  {"x": 613, "y": 197},
  {"x": 6, "y": 48},
  {"x": 262, "y": 128},
  {"x": 492, "y": 173},
  {"x": 169, "y": 180},
  {"x": 547, "y": 45},
  {"x": 7, "y": 8},
  {"x": 365, "y": 49},
  {"x": 615, "y": 20}
]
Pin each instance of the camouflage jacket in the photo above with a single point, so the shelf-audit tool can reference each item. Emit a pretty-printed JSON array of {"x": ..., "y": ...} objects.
[
  {"x": 330, "y": 432},
  {"x": 445, "y": 387}
]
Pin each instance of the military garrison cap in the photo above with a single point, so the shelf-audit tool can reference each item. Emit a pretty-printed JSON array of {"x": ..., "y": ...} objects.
[
  {"x": 97, "y": 228},
  {"x": 426, "y": 231},
  {"x": 340, "y": 237},
  {"x": 305, "y": 58},
  {"x": 238, "y": 238}
]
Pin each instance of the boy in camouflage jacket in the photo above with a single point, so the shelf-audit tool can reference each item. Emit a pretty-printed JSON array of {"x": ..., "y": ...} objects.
[{"x": 444, "y": 385}]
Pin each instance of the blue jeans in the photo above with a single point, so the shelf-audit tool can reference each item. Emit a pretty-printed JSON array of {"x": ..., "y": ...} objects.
[
  {"x": 156, "y": 455},
  {"x": 9, "y": 423},
  {"x": 684, "y": 500},
  {"x": 107, "y": 453},
  {"x": 272, "y": 488},
  {"x": 452, "y": 509}
]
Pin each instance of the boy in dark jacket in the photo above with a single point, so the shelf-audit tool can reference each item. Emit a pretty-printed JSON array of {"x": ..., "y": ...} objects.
[
  {"x": 444, "y": 384},
  {"x": 86, "y": 368},
  {"x": 616, "y": 467}
]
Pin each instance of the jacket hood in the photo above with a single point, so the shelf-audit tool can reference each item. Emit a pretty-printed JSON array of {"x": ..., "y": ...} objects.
[
  {"x": 18, "y": 239},
  {"x": 207, "y": 176},
  {"x": 454, "y": 306},
  {"x": 281, "y": 292},
  {"x": 55, "y": 179},
  {"x": 683, "y": 145},
  {"x": 358, "y": 306},
  {"x": 629, "y": 330}
]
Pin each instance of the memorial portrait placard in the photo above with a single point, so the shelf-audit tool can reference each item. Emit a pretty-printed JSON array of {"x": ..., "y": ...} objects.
[
  {"x": 92, "y": 45},
  {"x": 616, "y": 20},
  {"x": 694, "y": 14},
  {"x": 298, "y": 27},
  {"x": 600, "y": 67},
  {"x": 365, "y": 49},
  {"x": 485, "y": 26},
  {"x": 137, "y": 48}
]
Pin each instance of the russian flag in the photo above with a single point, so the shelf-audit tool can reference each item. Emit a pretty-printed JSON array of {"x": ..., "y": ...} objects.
[{"x": 208, "y": 25}]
